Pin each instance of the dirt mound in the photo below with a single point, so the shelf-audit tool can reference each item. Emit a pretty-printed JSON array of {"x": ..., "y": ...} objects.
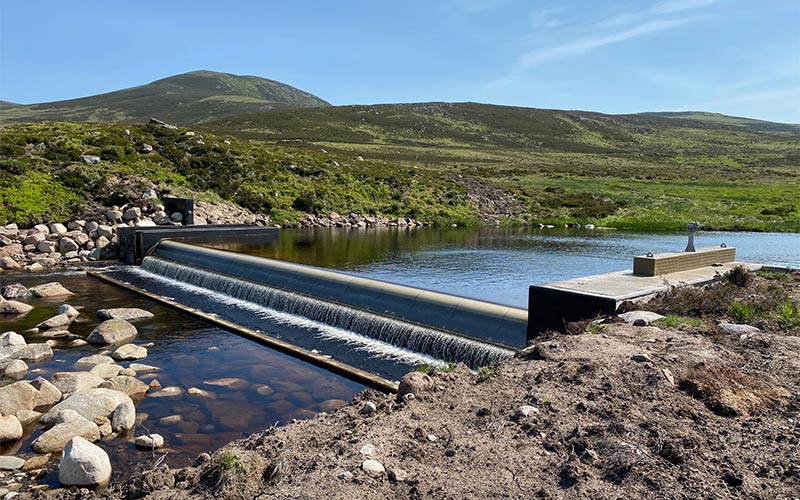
[{"x": 624, "y": 412}]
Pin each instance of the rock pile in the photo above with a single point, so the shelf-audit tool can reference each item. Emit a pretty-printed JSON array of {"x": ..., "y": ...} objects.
[{"x": 357, "y": 220}]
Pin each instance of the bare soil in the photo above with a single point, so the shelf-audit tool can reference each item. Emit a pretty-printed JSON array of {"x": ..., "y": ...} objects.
[{"x": 619, "y": 411}]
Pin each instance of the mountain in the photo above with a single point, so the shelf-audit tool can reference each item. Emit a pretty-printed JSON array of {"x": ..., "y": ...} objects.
[
  {"x": 486, "y": 126},
  {"x": 189, "y": 98}
]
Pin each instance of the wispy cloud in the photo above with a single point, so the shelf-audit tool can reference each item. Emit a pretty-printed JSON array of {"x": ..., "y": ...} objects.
[
  {"x": 620, "y": 27},
  {"x": 658, "y": 9},
  {"x": 545, "y": 19},
  {"x": 584, "y": 45}
]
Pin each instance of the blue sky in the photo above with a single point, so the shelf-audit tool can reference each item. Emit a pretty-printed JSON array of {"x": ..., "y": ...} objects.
[{"x": 739, "y": 57}]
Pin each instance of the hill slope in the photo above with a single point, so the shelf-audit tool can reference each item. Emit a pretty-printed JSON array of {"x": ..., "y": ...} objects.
[{"x": 189, "y": 98}]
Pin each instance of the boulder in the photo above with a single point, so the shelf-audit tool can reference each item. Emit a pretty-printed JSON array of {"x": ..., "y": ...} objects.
[
  {"x": 14, "y": 291},
  {"x": 16, "y": 369},
  {"x": 129, "y": 352},
  {"x": 126, "y": 313},
  {"x": 49, "y": 394},
  {"x": 34, "y": 238},
  {"x": 132, "y": 213},
  {"x": 46, "y": 246},
  {"x": 87, "y": 363},
  {"x": 113, "y": 215},
  {"x": 414, "y": 383},
  {"x": 140, "y": 368},
  {"x": 106, "y": 370},
  {"x": 124, "y": 416},
  {"x": 90, "y": 403},
  {"x": 228, "y": 383},
  {"x": 57, "y": 321},
  {"x": 734, "y": 329},
  {"x": 10, "y": 463},
  {"x": 9, "y": 339},
  {"x": 14, "y": 307},
  {"x": 10, "y": 428},
  {"x": 9, "y": 263},
  {"x": 17, "y": 396},
  {"x": 112, "y": 331},
  {"x": 69, "y": 311},
  {"x": 90, "y": 159},
  {"x": 70, "y": 382},
  {"x": 200, "y": 393},
  {"x": 28, "y": 417},
  {"x": 55, "y": 438},
  {"x": 83, "y": 464},
  {"x": 54, "y": 289},
  {"x": 36, "y": 462},
  {"x": 127, "y": 385},
  {"x": 646, "y": 316},
  {"x": 34, "y": 353},
  {"x": 149, "y": 441},
  {"x": 58, "y": 228},
  {"x": 104, "y": 231},
  {"x": 167, "y": 392}
]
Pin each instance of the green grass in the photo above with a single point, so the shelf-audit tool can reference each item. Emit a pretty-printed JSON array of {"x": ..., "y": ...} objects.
[
  {"x": 676, "y": 321},
  {"x": 428, "y": 161},
  {"x": 742, "y": 313},
  {"x": 486, "y": 372},
  {"x": 229, "y": 462},
  {"x": 787, "y": 314}
]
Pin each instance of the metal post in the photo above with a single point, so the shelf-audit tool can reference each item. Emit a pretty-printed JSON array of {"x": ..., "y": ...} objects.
[{"x": 691, "y": 228}]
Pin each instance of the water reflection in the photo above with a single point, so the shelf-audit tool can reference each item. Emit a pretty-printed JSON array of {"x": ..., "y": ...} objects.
[{"x": 498, "y": 264}]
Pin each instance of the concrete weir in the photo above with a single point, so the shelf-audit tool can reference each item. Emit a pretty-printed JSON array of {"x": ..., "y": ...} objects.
[{"x": 459, "y": 316}]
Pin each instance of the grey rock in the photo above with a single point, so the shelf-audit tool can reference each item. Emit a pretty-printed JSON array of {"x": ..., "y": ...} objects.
[
  {"x": 83, "y": 464},
  {"x": 69, "y": 311},
  {"x": 17, "y": 396},
  {"x": 88, "y": 362},
  {"x": 90, "y": 159},
  {"x": 66, "y": 245},
  {"x": 11, "y": 463},
  {"x": 149, "y": 441},
  {"x": 14, "y": 307},
  {"x": 129, "y": 352},
  {"x": 34, "y": 353},
  {"x": 70, "y": 382},
  {"x": 112, "y": 331},
  {"x": 9, "y": 339},
  {"x": 124, "y": 416},
  {"x": 105, "y": 231},
  {"x": 126, "y": 313},
  {"x": 106, "y": 370},
  {"x": 90, "y": 403},
  {"x": 132, "y": 213},
  {"x": 9, "y": 263},
  {"x": 526, "y": 411},
  {"x": 368, "y": 408},
  {"x": 734, "y": 329},
  {"x": 56, "y": 321},
  {"x": 53, "y": 289},
  {"x": 646, "y": 316},
  {"x": 46, "y": 246},
  {"x": 113, "y": 215},
  {"x": 373, "y": 468},
  {"x": 10, "y": 428},
  {"x": 140, "y": 368},
  {"x": 28, "y": 417},
  {"x": 127, "y": 385},
  {"x": 58, "y": 229},
  {"x": 16, "y": 369},
  {"x": 55, "y": 438},
  {"x": 642, "y": 358},
  {"x": 14, "y": 291},
  {"x": 49, "y": 394}
]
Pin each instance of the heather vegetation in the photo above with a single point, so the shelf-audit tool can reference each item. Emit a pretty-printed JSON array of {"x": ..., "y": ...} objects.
[{"x": 435, "y": 162}]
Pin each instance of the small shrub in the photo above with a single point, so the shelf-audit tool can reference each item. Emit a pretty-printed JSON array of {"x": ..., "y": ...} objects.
[
  {"x": 486, "y": 372},
  {"x": 424, "y": 368},
  {"x": 739, "y": 276},
  {"x": 788, "y": 314},
  {"x": 741, "y": 313},
  {"x": 448, "y": 368},
  {"x": 595, "y": 328}
]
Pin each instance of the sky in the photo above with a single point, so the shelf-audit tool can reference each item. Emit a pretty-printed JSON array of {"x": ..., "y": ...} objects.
[{"x": 738, "y": 57}]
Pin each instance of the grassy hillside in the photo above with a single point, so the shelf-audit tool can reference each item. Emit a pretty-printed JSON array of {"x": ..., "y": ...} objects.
[
  {"x": 646, "y": 171},
  {"x": 189, "y": 98},
  {"x": 445, "y": 163}
]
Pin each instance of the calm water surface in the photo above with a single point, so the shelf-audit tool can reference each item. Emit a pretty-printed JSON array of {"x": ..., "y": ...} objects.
[{"x": 498, "y": 264}]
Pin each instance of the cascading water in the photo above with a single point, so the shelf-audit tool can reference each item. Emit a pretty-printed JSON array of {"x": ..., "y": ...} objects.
[{"x": 434, "y": 343}]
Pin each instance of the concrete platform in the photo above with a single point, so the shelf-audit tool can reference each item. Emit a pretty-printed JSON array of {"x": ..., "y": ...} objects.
[{"x": 552, "y": 305}]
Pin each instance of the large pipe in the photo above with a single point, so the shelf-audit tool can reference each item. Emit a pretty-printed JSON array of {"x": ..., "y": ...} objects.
[{"x": 469, "y": 317}]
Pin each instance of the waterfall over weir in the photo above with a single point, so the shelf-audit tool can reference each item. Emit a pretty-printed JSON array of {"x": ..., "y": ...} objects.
[{"x": 427, "y": 341}]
